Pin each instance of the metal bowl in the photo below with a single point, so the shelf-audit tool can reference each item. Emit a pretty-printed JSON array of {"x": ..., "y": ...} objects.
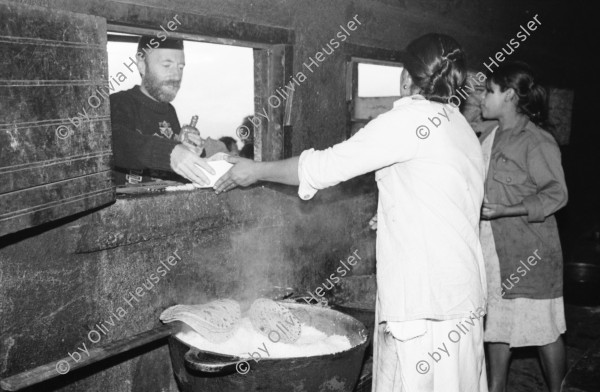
[
  {"x": 201, "y": 371},
  {"x": 362, "y": 313}
]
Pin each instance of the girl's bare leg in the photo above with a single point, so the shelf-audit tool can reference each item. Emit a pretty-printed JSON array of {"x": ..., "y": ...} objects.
[
  {"x": 499, "y": 360},
  {"x": 554, "y": 363}
]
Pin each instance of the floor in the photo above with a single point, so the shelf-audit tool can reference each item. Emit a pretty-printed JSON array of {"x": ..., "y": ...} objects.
[
  {"x": 525, "y": 371},
  {"x": 583, "y": 329}
]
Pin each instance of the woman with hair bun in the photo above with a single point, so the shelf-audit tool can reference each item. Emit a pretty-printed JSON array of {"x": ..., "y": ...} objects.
[
  {"x": 430, "y": 273},
  {"x": 524, "y": 188}
]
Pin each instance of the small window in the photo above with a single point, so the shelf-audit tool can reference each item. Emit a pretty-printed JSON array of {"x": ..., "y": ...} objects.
[
  {"x": 373, "y": 86},
  {"x": 378, "y": 80}
]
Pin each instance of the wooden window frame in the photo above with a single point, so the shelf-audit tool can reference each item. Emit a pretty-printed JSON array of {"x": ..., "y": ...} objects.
[{"x": 368, "y": 55}]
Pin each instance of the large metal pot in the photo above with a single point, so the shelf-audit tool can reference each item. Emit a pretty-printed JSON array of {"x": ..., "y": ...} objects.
[
  {"x": 582, "y": 284},
  {"x": 201, "y": 371},
  {"x": 363, "y": 313}
]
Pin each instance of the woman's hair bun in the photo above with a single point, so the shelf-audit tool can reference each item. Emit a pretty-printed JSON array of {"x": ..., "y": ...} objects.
[{"x": 437, "y": 65}]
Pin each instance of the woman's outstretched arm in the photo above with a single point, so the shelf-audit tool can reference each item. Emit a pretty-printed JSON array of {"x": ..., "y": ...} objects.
[
  {"x": 388, "y": 139},
  {"x": 246, "y": 172}
]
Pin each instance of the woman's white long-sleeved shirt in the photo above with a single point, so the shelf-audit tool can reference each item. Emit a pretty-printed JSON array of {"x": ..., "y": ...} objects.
[{"x": 430, "y": 175}]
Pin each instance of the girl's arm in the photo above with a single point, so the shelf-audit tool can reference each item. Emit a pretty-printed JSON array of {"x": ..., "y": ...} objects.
[
  {"x": 493, "y": 211},
  {"x": 544, "y": 167}
]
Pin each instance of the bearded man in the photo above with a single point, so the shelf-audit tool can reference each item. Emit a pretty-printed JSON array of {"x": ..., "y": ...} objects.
[{"x": 145, "y": 126}]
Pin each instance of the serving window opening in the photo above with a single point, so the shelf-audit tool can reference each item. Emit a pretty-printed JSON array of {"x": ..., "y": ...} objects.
[
  {"x": 217, "y": 85},
  {"x": 222, "y": 84}
]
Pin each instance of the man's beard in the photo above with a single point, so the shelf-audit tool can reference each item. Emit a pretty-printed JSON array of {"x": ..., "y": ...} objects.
[{"x": 162, "y": 91}]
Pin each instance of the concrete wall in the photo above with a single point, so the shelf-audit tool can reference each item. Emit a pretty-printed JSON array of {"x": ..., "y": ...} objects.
[
  {"x": 58, "y": 281},
  {"x": 60, "y": 284}
]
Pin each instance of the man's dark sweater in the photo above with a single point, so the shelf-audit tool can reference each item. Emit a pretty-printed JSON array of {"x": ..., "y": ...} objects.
[{"x": 143, "y": 137}]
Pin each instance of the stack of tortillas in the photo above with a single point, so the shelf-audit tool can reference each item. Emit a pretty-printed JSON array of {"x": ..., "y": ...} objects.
[
  {"x": 274, "y": 321},
  {"x": 216, "y": 321}
]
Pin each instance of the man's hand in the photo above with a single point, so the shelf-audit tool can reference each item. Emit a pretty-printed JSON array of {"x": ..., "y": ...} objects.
[
  {"x": 194, "y": 139},
  {"x": 492, "y": 211},
  {"x": 244, "y": 172},
  {"x": 194, "y": 148},
  {"x": 190, "y": 138},
  {"x": 195, "y": 143},
  {"x": 185, "y": 162}
]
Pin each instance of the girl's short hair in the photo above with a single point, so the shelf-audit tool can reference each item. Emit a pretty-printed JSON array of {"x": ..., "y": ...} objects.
[
  {"x": 437, "y": 65},
  {"x": 532, "y": 96}
]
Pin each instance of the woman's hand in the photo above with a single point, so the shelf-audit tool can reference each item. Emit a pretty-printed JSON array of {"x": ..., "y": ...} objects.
[
  {"x": 244, "y": 173},
  {"x": 373, "y": 222},
  {"x": 491, "y": 211}
]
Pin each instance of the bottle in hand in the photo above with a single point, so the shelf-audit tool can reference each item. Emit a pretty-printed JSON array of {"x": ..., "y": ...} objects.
[{"x": 190, "y": 136}]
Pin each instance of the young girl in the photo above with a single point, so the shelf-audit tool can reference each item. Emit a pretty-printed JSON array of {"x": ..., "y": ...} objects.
[{"x": 524, "y": 187}]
